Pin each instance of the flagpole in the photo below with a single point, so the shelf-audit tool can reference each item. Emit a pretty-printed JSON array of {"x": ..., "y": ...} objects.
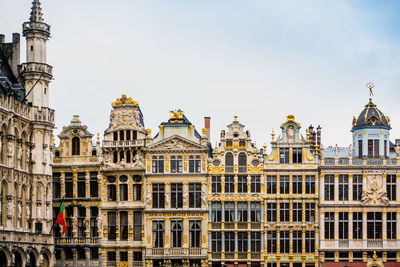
[{"x": 52, "y": 225}]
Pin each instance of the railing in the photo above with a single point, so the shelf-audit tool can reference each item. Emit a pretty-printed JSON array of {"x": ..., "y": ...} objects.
[
  {"x": 36, "y": 25},
  {"x": 229, "y": 169},
  {"x": 255, "y": 225},
  {"x": 377, "y": 243},
  {"x": 44, "y": 115},
  {"x": 229, "y": 225},
  {"x": 112, "y": 264},
  {"x": 138, "y": 264},
  {"x": 242, "y": 169},
  {"x": 216, "y": 226},
  {"x": 215, "y": 255},
  {"x": 37, "y": 67},
  {"x": 127, "y": 143},
  {"x": 256, "y": 255},
  {"x": 374, "y": 162},
  {"x": 229, "y": 255},
  {"x": 343, "y": 162},
  {"x": 77, "y": 240},
  {"x": 359, "y": 161},
  {"x": 177, "y": 252},
  {"x": 242, "y": 225},
  {"x": 329, "y": 162},
  {"x": 242, "y": 255}
]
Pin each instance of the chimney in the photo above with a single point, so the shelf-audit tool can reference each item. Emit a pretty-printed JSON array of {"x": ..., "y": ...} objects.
[
  {"x": 207, "y": 121},
  {"x": 2, "y": 38},
  {"x": 15, "y": 59}
]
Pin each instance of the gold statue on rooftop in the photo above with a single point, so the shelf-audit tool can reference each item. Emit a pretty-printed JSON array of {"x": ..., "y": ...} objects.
[
  {"x": 176, "y": 114},
  {"x": 124, "y": 100}
]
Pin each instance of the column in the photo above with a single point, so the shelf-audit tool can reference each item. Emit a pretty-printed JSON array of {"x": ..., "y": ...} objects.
[
  {"x": 336, "y": 216},
  {"x": 398, "y": 187},
  {"x": 74, "y": 183},
  {"x": 316, "y": 184},
  {"x": 185, "y": 232},
  {"x": 321, "y": 187},
  {"x": 248, "y": 184},
  {"x": 278, "y": 190},
  {"x": 167, "y": 232},
  {"x": 185, "y": 193},
  {"x": 350, "y": 187},
  {"x": 384, "y": 225},
  {"x": 290, "y": 184},
  {"x": 364, "y": 225},
  {"x": 303, "y": 177},
  {"x": 62, "y": 183},
  {"x": 336, "y": 187},
  {"x": 350, "y": 225},
  {"x": 322, "y": 224},
  {"x": 168, "y": 195},
  {"x": 87, "y": 179},
  {"x": 87, "y": 223}
]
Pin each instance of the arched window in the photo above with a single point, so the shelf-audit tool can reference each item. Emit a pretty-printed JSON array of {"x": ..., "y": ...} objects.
[
  {"x": 115, "y": 136},
  {"x": 75, "y": 146},
  {"x": 121, "y": 155},
  {"x": 121, "y": 135},
  {"x": 115, "y": 156},
  {"x": 128, "y": 156},
  {"x": 229, "y": 162},
  {"x": 195, "y": 234},
  {"x": 123, "y": 192},
  {"x": 111, "y": 192},
  {"x": 94, "y": 152},
  {"x": 176, "y": 233},
  {"x": 242, "y": 162}
]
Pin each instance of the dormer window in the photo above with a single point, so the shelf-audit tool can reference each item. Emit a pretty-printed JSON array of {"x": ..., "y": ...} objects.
[
  {"x": 297, "y": 155},
  {"x": 242, "y": 143},
  {"x": 94, "y": 152},
  {"x": 194, "y": 164},
  {"x": 229, "y": 143},
  {"x": 158, "y": 164},
  {"x": 229, "y": 162},
  {"x": 242, "y": 162},
  {"x": 283, "y": 155},
  {"x": 75, "y": 146},
  {"x": 373, "y": 148}
]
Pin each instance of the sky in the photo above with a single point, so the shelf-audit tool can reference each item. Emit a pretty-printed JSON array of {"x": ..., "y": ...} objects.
[{"x": 259, "y": 59}]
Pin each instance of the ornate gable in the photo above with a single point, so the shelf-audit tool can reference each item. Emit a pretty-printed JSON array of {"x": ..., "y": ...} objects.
[{"x": 174, "y": 143}]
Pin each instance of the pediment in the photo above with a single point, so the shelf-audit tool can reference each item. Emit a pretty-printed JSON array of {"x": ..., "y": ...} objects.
[{"x": 175, "y": 143}]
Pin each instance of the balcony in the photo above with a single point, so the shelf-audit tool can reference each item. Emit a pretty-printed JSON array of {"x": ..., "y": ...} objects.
[
  {"x": 127, "y": 143},
  {"x": 44, "y": 115},
  {"x": 77, "y": 241},
  {"x": 343, "y": 243},
  {"x": 37, "y": 67},
  {"x": 359, "y": 161},
  {"x": 376, "y": 243},
  {"x": 176, "y": 252}
]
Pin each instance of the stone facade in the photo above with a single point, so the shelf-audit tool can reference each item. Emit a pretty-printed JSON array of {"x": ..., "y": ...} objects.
[{"x": 26, "y": 149}]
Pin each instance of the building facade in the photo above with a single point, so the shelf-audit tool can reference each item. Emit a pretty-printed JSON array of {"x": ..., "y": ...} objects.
[
  {"x": 76, "y": 173},
  {"x": 360, "y": 196},
  {"x": 25, "y": 148},
  {"x": 176, "y": 195},
  {"x": 122, "y": 175},
  {"x": 291, "y": 198},
  {"x": 236, "y": 200}
]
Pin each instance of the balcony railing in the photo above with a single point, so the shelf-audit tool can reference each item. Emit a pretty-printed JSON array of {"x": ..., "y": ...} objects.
[
  {"x": 376, "y": 243},
  {"x": 359, "y": 161},
  {"x": 127, "y": 143},
  {"x": 343, "y": 243},
  {"x": 77, "y": 240},
  {"x": 177, "y": 252}
]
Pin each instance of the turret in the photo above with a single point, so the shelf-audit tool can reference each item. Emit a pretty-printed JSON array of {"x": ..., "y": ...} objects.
[{"x": 36, "y": 72}]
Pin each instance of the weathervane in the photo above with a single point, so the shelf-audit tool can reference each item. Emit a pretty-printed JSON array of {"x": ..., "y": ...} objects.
[{"x": 370, "y": 86}]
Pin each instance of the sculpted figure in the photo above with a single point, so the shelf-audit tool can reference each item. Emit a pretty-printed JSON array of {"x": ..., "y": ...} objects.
[
  {"x": 397, "y": 148},
  {"x": 204, "y": 198},
  {"x": 74, "y": 223},
  {"x": 137, "y": 118},
  {"x": 28, "y": 153},
  {"x": 39, "y": 211},
  {"x": 148, "y": 198},
  {"x": 86, "y": 222},
  {"x": 185, "y": 199},
  {"x": 99, "y": 224},
  {"x": 1, "y": 145},
  {"x": 336, "y": 151},
  {"x": 19, "y": 154},
  {"x": 167, "y": 200},
  {"x": 19, "y": 210},
  {"x": 28, "y": 212},
  {"x": 10, "y": 208},
  {"x": 45, "y": 155},
  {"x": 10, "y": 149}
]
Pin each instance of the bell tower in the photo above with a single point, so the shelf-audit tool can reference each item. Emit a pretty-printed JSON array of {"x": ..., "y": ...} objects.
[{"x": 36, "y": 72}]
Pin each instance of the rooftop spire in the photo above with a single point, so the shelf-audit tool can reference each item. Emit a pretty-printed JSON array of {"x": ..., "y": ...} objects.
[{"x": 36, "y": 13}]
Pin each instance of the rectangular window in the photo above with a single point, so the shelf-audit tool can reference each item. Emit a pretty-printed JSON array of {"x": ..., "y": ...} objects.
[
  {"x": 284, "y": 184},
  {"x": 176, "y": 231},
  {"x": 329, "y": 182},
  {"x": 112, "y": 226},
  {"x": 374, "y": 225},
  {"x": 229, "y": 241},
  {"x": 297, "y": 181},
  {"x": 216, "y": 184},
  {"x": 343, "y": 225},
  {"x": 81, "y": 184},
  {"x": 69, "y": 187},
  {"x": 94, "y": 212},
  {"x": 137, "y": 191},
  {"x": 243, "y": 239},
  {"x": 283, "y": 155},
  {"x": 81, "y": 219},
  {"x": 297, "y": 212},
  {"x": 111, "y": 256},
  {"x": 176, "y": 164},
  {"x": 123, "y": 256},
  {"x": 357, "y": 187},
  {"x": 271, "y": 212},
  {"x": 391, "y": 186},
  {"x": 137, "y": 226},
  {"x": 229, "y": 209},
  {"x": 271, "y": 242},
  {"x": 255, "y": 184},
  {"x": 111, "y": 192},
  {"x": 255, "y": 241},
  {"x": 343, "y": 187},
  {"x": 357, "y": 225},
  {"x": 284, "y": 212},
  {"x": 255, "y": 212},
  {"x": 216, "y": 241},
  {"x": 385, "y": 148},
  {"x": 329, "y": 225},
  {"x": 94, "y": 186},
  {"x": 242, "y": 209},
  {"x": 56, "y": 185},
  {"x": 310, "y": 184},
  {"x": 158, "y": 233},
  {"x": 123, "y": 192},
  {"x": 310, "y": 242},
  {"x": 216, "y": 212},
  {"x": 310, "y": 212},
  {"x": 271, "y": 184},
  {"x": 242, "y": 184},
  {"x": 391, "y": 225},
  {"x": 373, "y": 148},
  {"x": 195, "y": 233},
  {"x": 284, "y": 241},
  {"x": 124, "y": 225},
  {"x": 297, "y": 241},
  {"x": 158, "y": 196},
  {"x": 158, "y": 164},
  {"x": 360, "y": 148},
  {"x": 176, "y": 196},
  {"x": 297, "y": 155},
  {"x": 229, "y": 184},
  {"x": 194, "y": 195}
]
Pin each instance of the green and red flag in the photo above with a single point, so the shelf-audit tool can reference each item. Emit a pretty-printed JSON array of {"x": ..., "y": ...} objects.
[{"x": 61, "y": 218}]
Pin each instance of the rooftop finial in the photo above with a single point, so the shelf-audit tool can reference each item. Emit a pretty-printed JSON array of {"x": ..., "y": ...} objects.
[
  {"x": 36, "y": 13},
  {"x": 370, "y": 86}
]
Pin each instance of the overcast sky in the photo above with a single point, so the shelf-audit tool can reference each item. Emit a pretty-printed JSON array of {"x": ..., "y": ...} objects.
[{"x": 259, "y": 59}]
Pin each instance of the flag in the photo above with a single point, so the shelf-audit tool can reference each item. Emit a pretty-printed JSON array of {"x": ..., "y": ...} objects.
[{"x": 61, "y": 218}]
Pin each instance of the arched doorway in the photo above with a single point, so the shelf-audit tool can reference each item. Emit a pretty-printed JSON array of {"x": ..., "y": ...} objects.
[
  {"x": 3, "y": 259},
  {"x": 32, "y": 260},
  {"x": 46, "y": 261},
  {"x": 18, "y": 259}
]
